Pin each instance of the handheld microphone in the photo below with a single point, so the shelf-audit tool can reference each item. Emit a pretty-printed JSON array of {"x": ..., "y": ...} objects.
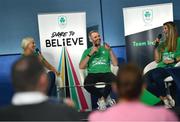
[
  {"x": 96, "y": 45},
  {"x": 38, "y": 51},
  {"x": 157, "y": 43},
  {"x": 159, "y": 36}
]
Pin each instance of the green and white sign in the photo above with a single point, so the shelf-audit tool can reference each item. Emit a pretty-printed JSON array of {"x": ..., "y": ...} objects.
[
  {"x": 142, "y": 24},
  {"x": 62, "y": 41}
]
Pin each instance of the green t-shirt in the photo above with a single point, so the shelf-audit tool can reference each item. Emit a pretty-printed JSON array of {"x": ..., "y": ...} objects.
[
  {"x": 169, "y": 55},
  {"x": 98, "y": 62}
]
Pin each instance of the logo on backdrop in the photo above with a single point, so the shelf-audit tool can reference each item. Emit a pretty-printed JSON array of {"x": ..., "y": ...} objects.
[
  {"x": 62, "y": 21},
  {"x": 148, "y": 16}
]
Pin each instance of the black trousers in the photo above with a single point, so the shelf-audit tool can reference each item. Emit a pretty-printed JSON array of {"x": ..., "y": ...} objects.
[
  {"x": 93, "y": 78},
  {"x": 51, "y": 86}
]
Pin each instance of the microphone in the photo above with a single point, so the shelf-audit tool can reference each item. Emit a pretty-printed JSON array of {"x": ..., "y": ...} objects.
[
  {"x": 38, "y": 51},
  {"x": 157, "y": 43},
  {"x": 159, "y": 36},
  {"x": 96, "y": 45}
]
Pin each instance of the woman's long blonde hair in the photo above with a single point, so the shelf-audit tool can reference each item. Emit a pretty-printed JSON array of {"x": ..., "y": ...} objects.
[{"x": 171, "y": 37}]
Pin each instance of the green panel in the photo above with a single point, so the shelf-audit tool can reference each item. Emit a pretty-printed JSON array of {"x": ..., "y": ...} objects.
[{"x": 148, "y": 98}]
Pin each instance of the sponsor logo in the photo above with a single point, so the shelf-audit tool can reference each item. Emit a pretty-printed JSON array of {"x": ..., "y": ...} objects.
[
  {"x": 62, "y": 21},
  {"x": 148, "y": 16}
]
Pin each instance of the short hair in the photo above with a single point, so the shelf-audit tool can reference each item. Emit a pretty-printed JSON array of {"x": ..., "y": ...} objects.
[
  {"x": 129, "y": 81},
  {"x": 26, "y": 72},
  {"x": 25, "y": 41},
  {"x": 89, "y": 34}
]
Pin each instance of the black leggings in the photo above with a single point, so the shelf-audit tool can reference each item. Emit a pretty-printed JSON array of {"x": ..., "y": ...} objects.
[
  {"x": 155, "y": 80},
  {"x": 51, "y": 85},
  {"x": 93, "y": 78}
]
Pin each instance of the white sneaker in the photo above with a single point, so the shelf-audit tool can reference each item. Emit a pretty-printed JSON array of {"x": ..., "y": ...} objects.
[
  {"x": 101, "y": 104},
  {"x": 166, "y": 103},
  {"x": 171, "y": 100},
  {"x": 110, "y": 101}
]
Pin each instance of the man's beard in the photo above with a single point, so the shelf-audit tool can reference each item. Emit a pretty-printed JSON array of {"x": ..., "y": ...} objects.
[{"x": 97, "y": 43}]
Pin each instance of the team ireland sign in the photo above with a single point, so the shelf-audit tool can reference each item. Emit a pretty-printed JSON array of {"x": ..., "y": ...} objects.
[{"x": 142, "y": 24}]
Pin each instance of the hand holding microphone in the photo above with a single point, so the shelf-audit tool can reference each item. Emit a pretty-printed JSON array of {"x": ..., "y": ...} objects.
[
  {"x": 107, "y": 46},
  {"x": 37, "y": 51},
  {"x": 47, "y": 64},
  {"x": 157, "y": 40},
  {"x": 94, "y": 50}
]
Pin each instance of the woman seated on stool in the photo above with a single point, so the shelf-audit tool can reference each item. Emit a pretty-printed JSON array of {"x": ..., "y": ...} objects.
[
  {"x": 166, "y": 54},
  {"x": 28, "y": 45}
]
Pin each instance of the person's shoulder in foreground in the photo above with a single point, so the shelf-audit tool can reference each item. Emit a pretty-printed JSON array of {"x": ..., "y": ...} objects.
[
  {"x": 133, "y": 112},
  {"x": 45, "y": 111},
  {"x": 30, "y": 101},
  {"x": 129, "y": 86}
]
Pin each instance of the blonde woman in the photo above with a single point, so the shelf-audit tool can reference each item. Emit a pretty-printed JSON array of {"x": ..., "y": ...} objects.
[
  {"x": 28, "y": 45},
  {"x": 166, "y": 54},
  {"x": 29, "y": 48}
]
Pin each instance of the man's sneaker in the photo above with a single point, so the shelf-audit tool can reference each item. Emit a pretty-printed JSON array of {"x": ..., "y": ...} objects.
[
  {"x": 171, "y": 100},
  {"x": 166, "y": 103},
  {"x": 110, "y": 101},
  {"x": 101, "y": 104}
]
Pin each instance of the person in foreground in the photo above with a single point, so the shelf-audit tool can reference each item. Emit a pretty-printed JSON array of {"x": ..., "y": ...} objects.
[
  {"x": 166, "y": 54},
  {"x": 30, "y": 101},
  {"x": 129, "y": 86},
  {"x": 97, "y": 60}
]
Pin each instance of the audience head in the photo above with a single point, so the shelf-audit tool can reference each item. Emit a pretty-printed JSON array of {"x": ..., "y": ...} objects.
[
  {"x": 28, "y": 43},
  {"x": 129, "y": 82},
  {"x": 28, "y": 74}
]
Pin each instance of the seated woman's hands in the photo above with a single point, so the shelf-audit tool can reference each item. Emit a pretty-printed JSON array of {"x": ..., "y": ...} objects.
[
  {"x": 168, "y": 61},
  {"x": 55, "y": 71},
  {"x": 58, "y": 73}
]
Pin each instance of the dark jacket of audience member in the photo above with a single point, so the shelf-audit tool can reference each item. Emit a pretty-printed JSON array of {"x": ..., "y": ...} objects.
[{"x": 29, "y": 101}]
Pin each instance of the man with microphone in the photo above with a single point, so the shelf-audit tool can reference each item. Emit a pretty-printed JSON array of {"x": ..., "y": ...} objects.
[{"x": 97, "y": 60}]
